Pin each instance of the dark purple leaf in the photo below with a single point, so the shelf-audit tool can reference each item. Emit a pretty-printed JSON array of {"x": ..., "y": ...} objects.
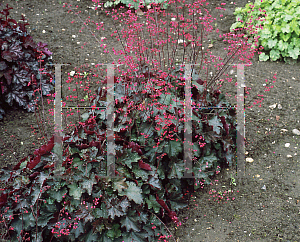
[
  {"x": 3, "y": 89},
  {"x": 14, "y": 52},
  {"x": 42, "y": 47},
  {"x": 18, "y": 97},
  {"x": 8, "y": 76},
  {"x": 3, "y": 65},
  {"x": 21, "y": 77},
  {"x": 28, "y": 41}
]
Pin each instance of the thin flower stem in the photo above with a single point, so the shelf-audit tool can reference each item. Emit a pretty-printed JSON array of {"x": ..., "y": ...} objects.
[{"x": 164, "y": 225}]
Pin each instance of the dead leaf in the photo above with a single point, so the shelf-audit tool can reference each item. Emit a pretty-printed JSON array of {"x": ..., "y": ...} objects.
[
  {"x": 210, "y": 45},
  {"x": 277, "y": 118}
]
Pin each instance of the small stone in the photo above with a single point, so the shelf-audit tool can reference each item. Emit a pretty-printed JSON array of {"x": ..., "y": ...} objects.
[
  {"x": 263, "y": 187},
  {"x": 287, "y": 145},
  {"x": 296, "y": 131},
  {"x": 284, "y": 130},
  {"x": 279, "y": 106},
  {"x": 273, "y": 106},
  {"x": 289, "y": 156},
  {"x": 249, "y": 159}
]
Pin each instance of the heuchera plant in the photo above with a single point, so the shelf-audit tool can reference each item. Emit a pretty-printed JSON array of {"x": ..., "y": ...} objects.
[
  {"x": 78, "y": 203},
  {"x": 280, "y": 32},
  {"x": 21, "y": 63}
]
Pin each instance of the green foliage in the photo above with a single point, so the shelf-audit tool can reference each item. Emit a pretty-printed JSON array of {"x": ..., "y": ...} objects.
[
  {"x": 280, "y": 36},
  {"x": 81, "y": 203},
  {"x": 135, "y": 4}
]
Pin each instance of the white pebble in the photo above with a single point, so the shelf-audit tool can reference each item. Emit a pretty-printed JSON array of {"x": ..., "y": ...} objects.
[
  {"x": 287, "y": 145},
  {"x": 296, "y": 131},
  {"x": 249, "y": 159}
]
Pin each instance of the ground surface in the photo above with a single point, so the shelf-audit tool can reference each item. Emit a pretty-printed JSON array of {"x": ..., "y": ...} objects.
[{"x": 265, "y": 206}]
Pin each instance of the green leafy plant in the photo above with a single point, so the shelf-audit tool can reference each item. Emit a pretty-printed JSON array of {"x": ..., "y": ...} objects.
[
  {"x": 21, "y": 64},
  {"x": 280, "y": 32},
  {"x": 134, "y": 4}
]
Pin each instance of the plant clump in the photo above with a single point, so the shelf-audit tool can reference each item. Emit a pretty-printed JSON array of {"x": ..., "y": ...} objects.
[{"x": 21, "y": 62}]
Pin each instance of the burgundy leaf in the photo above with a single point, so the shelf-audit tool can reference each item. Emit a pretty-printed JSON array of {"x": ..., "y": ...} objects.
[
  {"x": 171, "y": 213},
  {"x": 95, "y": 144},
  {"x": 66, "y": 138},
  {"x": 88, "y": 131},
  {"x": 49, "y": 166},
  {"x": 28, "y": 41},
  {"x": 34, "y": 175},
  {"x": 3, "y": 199},
  {"x": 162, "y": 203},
  {"x": 224, "y": 124},
  {"x": 8, "y": 76},
  {"x": 82, "y": 146},
  {"x": 12, "y": 20},
  {"x": 45, "y": 148},
  {"x": 34, "y": 162},
  {"x": 199, "y": 81},
  {"x": 144, "y": 166}
]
